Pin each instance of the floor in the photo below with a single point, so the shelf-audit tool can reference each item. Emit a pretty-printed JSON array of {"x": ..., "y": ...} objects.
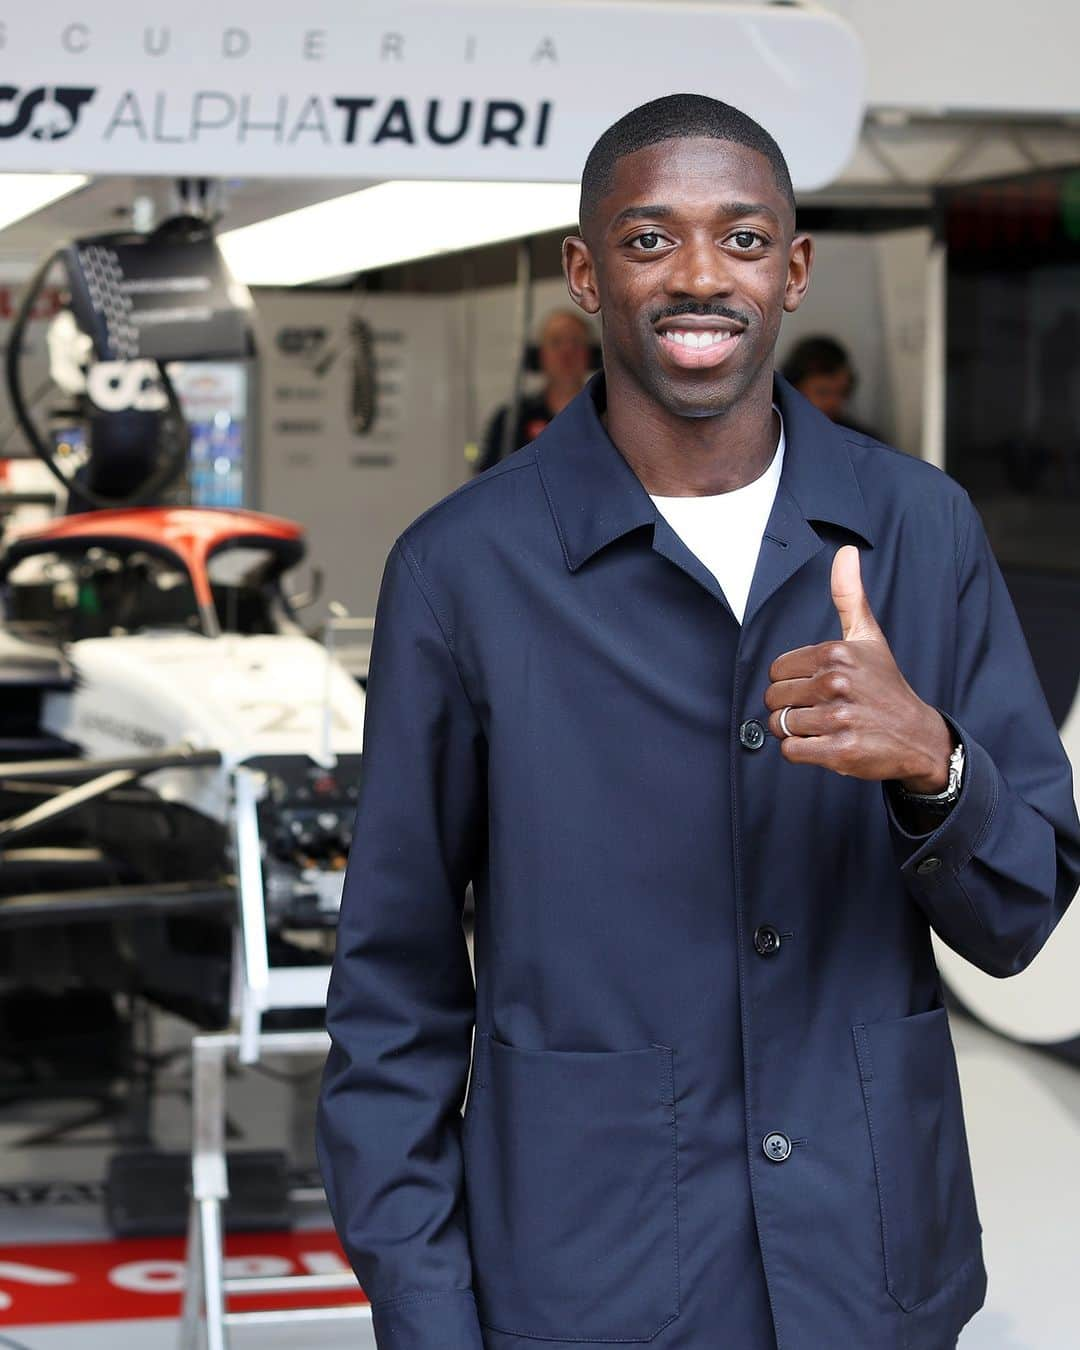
[{"x": 65, "y": 1285}]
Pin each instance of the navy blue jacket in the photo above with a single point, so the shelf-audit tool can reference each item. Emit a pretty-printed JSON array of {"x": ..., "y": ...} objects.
[{"x": 714, "y": 1101}]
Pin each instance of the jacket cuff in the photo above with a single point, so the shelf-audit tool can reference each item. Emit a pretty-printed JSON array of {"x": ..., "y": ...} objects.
[
  {"x": 443, "y": 1320},
  {"x": 927, "y": 859}
]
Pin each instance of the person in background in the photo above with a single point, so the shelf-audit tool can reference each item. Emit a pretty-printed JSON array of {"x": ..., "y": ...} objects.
[
  {"x": 821, "y": 370},
  {"x": 564, "y": 348}
]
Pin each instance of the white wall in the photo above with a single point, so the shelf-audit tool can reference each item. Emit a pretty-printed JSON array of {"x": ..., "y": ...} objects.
[
  {"x": 903, "y": 261},
  {"x": 355, "y": 493}
]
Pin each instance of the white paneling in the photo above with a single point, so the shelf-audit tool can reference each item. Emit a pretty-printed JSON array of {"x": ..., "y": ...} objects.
[
  {"x": 903, "y": 259},
  {"x": 314, "y": 469}
]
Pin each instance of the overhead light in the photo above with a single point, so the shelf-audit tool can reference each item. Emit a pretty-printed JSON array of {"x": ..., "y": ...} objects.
[
  {"x": 21, "y": 194},
  {"x": 391, "y": 223}
]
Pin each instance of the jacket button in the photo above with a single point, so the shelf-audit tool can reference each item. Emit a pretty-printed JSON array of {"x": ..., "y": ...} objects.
[
  {"x": 766, "y": 940},
  {"x": 928, "y": 865},
  {"x": 752, "y": 734},
  {"x": 777, "y": 1147}
]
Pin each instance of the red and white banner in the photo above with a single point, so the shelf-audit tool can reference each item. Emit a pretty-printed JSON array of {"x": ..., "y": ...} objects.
[{"x": 139, "y": 1279}]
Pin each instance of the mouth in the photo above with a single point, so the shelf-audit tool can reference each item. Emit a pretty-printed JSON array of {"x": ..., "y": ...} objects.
[{"x": 695, "y": 344}]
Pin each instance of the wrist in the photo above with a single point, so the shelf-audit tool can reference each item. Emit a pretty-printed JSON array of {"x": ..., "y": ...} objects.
[{"x": 931, "y": 773}]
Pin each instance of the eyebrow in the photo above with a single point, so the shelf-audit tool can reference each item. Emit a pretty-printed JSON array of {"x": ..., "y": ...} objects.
[{"x": 726, "y": 209}]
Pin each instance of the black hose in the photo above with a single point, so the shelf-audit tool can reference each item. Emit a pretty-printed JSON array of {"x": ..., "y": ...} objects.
[
  {"x": 13, "y": 426},
  {"x": 171, "y": 464}
]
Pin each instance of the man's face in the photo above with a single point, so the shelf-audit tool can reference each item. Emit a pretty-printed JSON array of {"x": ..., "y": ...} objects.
[
  {"x": 564, "y": 349},
  {"x": 828, "y": 392},
  {"x": 690, "y": 259}
]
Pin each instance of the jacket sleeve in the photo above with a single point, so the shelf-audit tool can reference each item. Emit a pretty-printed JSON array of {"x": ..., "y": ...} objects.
[
  {"x": 401, "y": 1003},
  {"x": 996, "y": 876}
]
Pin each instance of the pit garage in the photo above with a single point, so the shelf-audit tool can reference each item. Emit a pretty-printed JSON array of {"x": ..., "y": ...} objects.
[{"x": 263, "y": 285}]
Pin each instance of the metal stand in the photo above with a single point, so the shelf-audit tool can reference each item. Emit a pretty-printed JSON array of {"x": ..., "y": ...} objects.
[
  {"x": 207, "y": 1286},
  {"x": 260, "y": 987}
]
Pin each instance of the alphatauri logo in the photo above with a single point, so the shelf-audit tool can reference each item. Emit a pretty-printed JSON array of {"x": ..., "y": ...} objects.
[{"x": 48, "y": 113}]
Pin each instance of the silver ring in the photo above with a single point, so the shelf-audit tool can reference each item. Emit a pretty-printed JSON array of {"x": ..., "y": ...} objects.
[{"x": 783, "y": 722}]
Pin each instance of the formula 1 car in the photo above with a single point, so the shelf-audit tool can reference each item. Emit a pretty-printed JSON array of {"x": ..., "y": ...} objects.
[
  {"x": 145, "y": 654},
  {"x": 179, "y": 760}
]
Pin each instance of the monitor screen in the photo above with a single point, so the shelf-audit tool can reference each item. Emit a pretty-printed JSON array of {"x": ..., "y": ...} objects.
[{"x": 166, "y": 298}]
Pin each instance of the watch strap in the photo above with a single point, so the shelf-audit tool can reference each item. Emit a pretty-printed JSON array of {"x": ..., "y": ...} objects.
[{"x": 940, "y": 801}]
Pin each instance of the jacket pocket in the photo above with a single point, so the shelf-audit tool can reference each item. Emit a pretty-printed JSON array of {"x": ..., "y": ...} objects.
[
  {"x": 571, "y": 1183},
  {"x": 929, "y": 1223}
]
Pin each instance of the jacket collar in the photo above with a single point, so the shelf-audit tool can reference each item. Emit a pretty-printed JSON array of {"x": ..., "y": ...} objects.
[{"x": 596, "y": 498}]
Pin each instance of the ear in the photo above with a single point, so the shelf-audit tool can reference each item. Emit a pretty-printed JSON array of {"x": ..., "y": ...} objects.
[
  {"x": 580, "y": 273},
  {"x": 800, "y": 263}
]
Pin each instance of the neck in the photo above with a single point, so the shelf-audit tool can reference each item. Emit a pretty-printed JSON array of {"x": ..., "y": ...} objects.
[{"x": 677, "y": 456}]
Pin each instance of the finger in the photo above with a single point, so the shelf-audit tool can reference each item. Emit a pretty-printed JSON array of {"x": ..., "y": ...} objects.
[
  {"x": 809, "y": 723},
  {"x": 857, "y": 620},
  {"x": 806, "y": 749},
  {"x": 792, "y": 694},
  {"x": 800, "y": 662}
]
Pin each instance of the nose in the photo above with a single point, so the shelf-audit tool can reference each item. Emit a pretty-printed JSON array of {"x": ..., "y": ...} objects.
[{"x": 699, "y": 269}]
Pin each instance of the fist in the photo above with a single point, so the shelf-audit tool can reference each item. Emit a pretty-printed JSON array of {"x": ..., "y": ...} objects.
[{"x": 852, "y": 711}]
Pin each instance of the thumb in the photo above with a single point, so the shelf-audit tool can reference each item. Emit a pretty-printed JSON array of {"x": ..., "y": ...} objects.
[{"x": 856, "y": 617}]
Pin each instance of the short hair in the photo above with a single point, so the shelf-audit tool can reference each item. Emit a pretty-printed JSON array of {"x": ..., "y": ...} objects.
[
  {"x": 818, "y": 355},
  {"x": 674, "y": 117},
  {"x": 565, "y": 312}
]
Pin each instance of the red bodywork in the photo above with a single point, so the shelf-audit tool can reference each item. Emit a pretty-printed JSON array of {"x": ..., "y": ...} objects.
[{"x": 191, "y": 533}]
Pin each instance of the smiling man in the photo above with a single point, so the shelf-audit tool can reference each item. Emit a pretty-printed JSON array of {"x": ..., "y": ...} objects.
[{"x": 713, "y": 1101}]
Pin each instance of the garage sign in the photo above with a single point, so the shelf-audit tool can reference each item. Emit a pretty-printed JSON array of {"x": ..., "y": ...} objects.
[{"x": 341, "y": 89}]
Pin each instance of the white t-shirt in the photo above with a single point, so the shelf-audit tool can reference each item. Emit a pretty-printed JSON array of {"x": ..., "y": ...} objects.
[{"x": 725, "y": 530}]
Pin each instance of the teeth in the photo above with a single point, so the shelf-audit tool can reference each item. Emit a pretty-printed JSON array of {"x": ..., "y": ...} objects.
[{"x": 698, "y": 338}]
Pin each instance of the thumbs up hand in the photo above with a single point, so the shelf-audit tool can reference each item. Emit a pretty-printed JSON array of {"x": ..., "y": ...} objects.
[
  {"x": 849, "y": 707},
  {"x": 857, "y": 622}
]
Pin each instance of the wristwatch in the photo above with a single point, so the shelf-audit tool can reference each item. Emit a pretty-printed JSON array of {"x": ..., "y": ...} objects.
[{"x": 941, "y": 803}]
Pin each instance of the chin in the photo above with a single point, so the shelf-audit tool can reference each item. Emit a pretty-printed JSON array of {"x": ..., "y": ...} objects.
[{"x": 686, "y": 400}]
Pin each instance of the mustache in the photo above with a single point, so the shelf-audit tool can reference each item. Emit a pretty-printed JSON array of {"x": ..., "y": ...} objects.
[{"x": 702, "y": 312}]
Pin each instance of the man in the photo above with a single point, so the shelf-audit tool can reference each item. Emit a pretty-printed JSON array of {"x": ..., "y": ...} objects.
[
  {"x": 563, "y": 353},
  {"x": 713, "y": 1102},
  {"x": 821, "y": 370}
]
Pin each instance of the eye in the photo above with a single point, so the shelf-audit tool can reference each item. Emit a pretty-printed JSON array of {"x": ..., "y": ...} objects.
[
  {"x": 746, "y": 240},
  {"x": 649, "y": 241}
]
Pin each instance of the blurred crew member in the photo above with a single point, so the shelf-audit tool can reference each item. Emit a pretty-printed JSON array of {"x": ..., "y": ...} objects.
[
  {"x": 564, "y": 359},
  {"x": 821, "y": 370}
]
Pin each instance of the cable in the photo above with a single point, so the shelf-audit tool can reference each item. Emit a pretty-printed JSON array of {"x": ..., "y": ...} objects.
[
  {"x": 172, "y": 462},
  {"x": 13, "y": 426}
]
